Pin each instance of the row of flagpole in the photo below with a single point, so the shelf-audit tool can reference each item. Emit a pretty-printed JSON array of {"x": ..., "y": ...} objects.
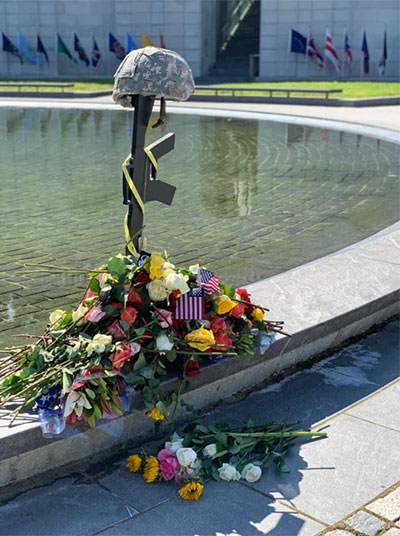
[
  {"x": 301, "y": 44},
  {"x": 25, "y": 51}
]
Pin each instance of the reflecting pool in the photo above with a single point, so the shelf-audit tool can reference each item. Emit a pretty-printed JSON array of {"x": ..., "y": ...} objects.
[{"x": 254, "y": 198}]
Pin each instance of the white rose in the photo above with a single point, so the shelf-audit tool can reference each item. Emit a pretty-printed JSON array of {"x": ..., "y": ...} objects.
[
  {"x": 78, "y": 314},
  {"x": 175, "y": 443},
  {"x": 186, "y": 457},
  {"x": 98, "y": 343},
  {"x": 210, "y": 450},
  {"x": 157, "y": 290},
  {"x": 56, "y": 317},
  {"x": 163, "y": 344},
  {"x": 228, "y": 472},
  {"x": 176, "y": 282},
  {"x": 251, "y": 472}
]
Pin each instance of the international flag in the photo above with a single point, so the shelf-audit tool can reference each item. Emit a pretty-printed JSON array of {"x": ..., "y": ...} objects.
[
  {"x": 130, "y": 43},
  {"x": 115, "y": 46},
  {"x": 96, "y": 54},
  {"x": 382, "y": 61},
  {"x": 162, "y": 41},
  {"x": 190, "y": 306},
  {"x": 347, "y": 51},
  {"x": 63, "y": 49},
  {"x": 12, "y": 49},
  {"x": 364, "y": 48},
  {"x": 26, "y": 50},
  {"x": 313, "y": 51},
  {"x": 330, "y": 51},
  {"x": 146, "y": 41},
  {"x": 297, "y": 42},
  {"x": 80, "y": 50},
  {"x": 40, "y": 49},
  {"x": 208, "y": 281}
]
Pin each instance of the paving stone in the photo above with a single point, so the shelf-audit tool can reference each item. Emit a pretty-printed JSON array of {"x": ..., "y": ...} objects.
[
  {"x": 322, "y": 469},
  {"x": 364, "y": 523},
  {"x": 67, "y": 507},
  {"x": 338, "y": 532},
  {"x": 388, "y": 506},
  {"x": 392, "y": 532},
  {"x": 375, "y": 409},
  {"x": 224, "y": 508}
]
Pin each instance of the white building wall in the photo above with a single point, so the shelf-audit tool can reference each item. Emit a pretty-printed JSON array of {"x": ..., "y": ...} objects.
[
  {"x": 180, "y": 21},
  {"x": 278, "y": 16}
]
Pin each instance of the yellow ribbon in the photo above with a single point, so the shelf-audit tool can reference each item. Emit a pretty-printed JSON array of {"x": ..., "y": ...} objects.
[{"x": 133, "y": 189}]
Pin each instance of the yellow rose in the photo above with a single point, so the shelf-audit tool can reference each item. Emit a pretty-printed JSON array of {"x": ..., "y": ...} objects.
[
  {"x": 157, "y": 290},
  {"x": 201, "y": 339},
  {"x": 157, "y": 265},
  {"x": 258, "y": 314},
  {"x": 224, "y": 304}
]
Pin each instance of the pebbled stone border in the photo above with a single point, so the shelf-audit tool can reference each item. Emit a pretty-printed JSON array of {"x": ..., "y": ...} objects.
[{"x": 323, "y": 303}]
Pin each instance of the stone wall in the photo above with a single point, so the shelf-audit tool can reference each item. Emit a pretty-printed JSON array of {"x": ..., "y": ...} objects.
[
  {"x": 278, "y": 16},
  {"x": 180, "y": 21}
]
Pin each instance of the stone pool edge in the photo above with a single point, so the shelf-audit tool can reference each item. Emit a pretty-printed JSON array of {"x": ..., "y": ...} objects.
[{"x": 324, "y": 303}]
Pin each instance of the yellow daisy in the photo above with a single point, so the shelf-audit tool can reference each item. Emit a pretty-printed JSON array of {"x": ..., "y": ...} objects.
[
  {"x": 191, "y": 491},
  {"x": 134, "y": 463}
]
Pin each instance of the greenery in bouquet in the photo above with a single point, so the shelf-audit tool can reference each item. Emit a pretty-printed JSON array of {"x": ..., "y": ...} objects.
[
  {"x": 134, "y": 324},
  {"x": 219, "y": 452}
]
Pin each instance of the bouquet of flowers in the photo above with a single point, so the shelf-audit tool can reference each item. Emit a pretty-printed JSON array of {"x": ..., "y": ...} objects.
[
  {"x": 136, "y": 321},
  {"x": 219, "y": 452}
]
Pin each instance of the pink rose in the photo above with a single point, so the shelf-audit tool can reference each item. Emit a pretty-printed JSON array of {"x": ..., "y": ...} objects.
[
  {"x": 135, "y": 347},
  {"x": 165, "y": 318},
  {"x": 95, "y": 314},
  {"x": 90, "y": 294},
  {"x": 116, "y": 330},
  {"x": 169, "y": 465}
]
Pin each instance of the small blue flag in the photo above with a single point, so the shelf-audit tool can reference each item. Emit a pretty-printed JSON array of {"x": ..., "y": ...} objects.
[
  {"x": 130, "y": 43},
  {"x": 364, "y": 49},
  {"x": 40, "y": 49},
  {"x": 116, "y": 47},
  {"x": 80, "y": 50},
  {"x": 297, "y": 42},
  {"x": 12, "y": 49},
  {"x": 27, "y": 50}
]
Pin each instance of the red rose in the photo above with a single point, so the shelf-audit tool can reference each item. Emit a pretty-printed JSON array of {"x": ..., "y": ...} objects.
[
  {"x": 217, "y": 324},
  {"x": 134, "y": 298},
  {"x": 243, "y": 294},
  {"x": 129, "y": 315},
  {"x": 122, "y": 355},
  {"x": 220, "y": 338},
  {"x": 142, "y": 277},
  {"x": 238, "y": 310},
  {"x": 146, "y": 337},
  {"x": 192, "y": 368}
]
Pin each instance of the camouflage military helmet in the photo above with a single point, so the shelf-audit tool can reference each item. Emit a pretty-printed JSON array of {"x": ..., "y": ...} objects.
[{"x": 152, "y": 71}]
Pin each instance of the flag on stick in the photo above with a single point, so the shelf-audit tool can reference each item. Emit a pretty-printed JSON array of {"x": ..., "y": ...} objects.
[
  {"x": 27, "y": 50},
  {"x": 116, "y": 47},
  {"x": 12, "y": 49},
  {"x": 130, "y": 43},
  {"x": 313, "y": 51},
  {"x": 208, "y": 281},
  {"x": 297, "y": 42},
  {"x": 63, "y": 49},
  {"x": 80, "y": 50},
  {"x": 364, "y": 48},
  {"x": 347, "y": 51},
  {"x": 146, "y": 41},
  {"x": 162, "y": 41},
  {"x": 190, "y": 306},
  {"x": 40, "y": 49},
  {"x": 96, "y": 54},
  {"x": 382, "y": 61},
  {"x": 330, "y": 51}
]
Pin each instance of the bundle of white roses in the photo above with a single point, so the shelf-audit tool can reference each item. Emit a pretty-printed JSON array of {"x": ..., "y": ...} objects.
[{"x": 218, "y": 451}]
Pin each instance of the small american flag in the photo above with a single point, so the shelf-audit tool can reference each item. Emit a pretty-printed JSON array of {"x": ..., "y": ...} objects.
[
  {"x": 191, "y": 305},
  {"x": 208, "y": 281}
]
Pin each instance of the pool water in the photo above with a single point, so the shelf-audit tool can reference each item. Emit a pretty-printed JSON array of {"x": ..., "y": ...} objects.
[{"x": 253, "y": 199}]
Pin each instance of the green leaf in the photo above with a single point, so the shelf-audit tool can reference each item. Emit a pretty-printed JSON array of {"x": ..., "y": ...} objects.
[
  {"x": 171, "y": 356},
  {"x": 154, "y": 383},
  {"x": 148, "y": 395},
  {"x": 124, "y": 325},
  {"x": 147, "y": 372},
  {"x": 91, "y": 394},
  {"x": 117, "y": 267},
  {"x": 222, "y": 438},
  {"x": 234, "y": 449},
  {"x": 97, "y": 411},
  {"x": 227, "y": 290},
  {"x": 141, "y": 362},
  {"x": 201, "y": 428},
  {"x": 26, "y": 372},
  {"x": 94, "y": 285}
]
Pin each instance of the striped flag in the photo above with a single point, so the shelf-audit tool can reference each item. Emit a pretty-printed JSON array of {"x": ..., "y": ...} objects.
[
  {"x": 208, "y": 281},
  {"x": 313, "y": 51},
  {"x": 330, "y": 51},
  {"x": 190, "y": 306},
  {"x": 364, "y": 48},
  {"x": 347, "y": 51}
]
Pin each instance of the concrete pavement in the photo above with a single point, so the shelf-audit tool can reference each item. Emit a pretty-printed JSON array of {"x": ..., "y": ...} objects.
[{"x": 345, "y": 484}]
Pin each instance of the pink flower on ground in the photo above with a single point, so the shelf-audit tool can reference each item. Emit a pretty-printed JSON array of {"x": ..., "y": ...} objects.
[
  {"x": 169, "y": 465},
  {"x": 165, "y": 318},
  {"x": 116, "y": 330},
  {"x": 95, "y": 314}
]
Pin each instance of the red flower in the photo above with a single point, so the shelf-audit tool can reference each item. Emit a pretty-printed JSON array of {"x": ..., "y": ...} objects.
[
  {"x": 116, "y": 330},
  {"x": 117, "y": 305},
  {"x": 134, "y": 298},
  {"x": 217, "y": 324},
  {"x": 238, "y": 310},
  {"x": 179, "y": 326},
  {"x": 245, "y": 296},
  {"x": 122, "y": 355},
  {"x": 129, "y": 315},
  {"x": 192, "y": 368},
  {"x": 220, "y": 338},
  {"x": 142, "y": 277},
  {"x": 147, "y": 335}
]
